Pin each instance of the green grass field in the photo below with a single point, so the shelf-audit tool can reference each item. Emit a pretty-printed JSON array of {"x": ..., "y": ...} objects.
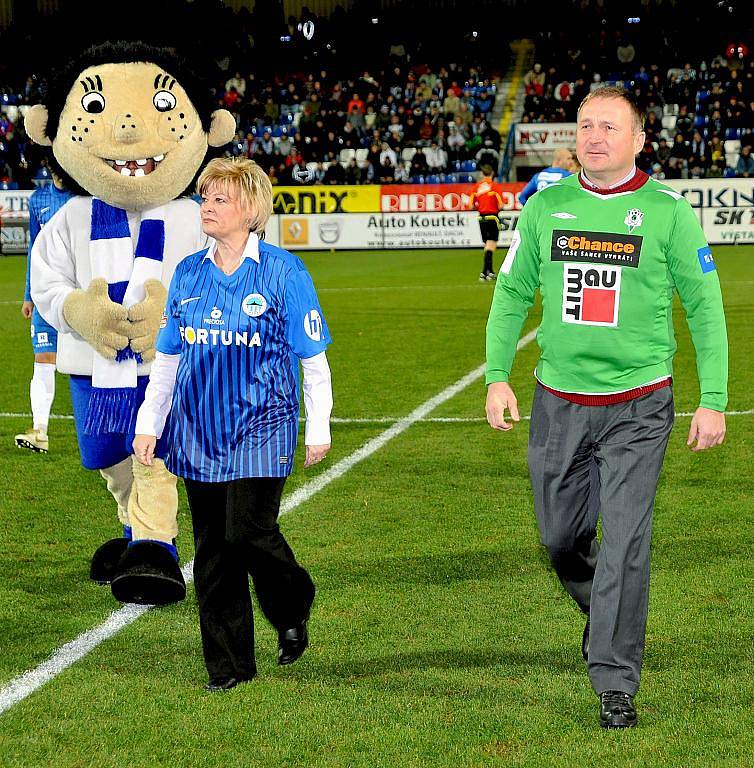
[{"x": 440, "y": 636}]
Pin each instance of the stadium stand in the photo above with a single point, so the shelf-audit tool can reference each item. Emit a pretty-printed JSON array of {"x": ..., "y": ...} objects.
[
  {"x": 417, "y": 114},
  {"x": 699, "y": 97}
]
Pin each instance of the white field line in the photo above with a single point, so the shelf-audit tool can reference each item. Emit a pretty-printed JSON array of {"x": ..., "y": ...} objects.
[
  {"x": 391, "y": 419},
  {"x": 24, "y": 685}
]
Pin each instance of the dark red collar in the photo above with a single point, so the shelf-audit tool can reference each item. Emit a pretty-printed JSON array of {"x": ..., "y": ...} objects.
[{"x": 637, "y": 181}]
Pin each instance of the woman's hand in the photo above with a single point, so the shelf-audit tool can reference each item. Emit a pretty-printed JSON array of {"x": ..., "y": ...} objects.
[
  {"x": 144, "y": 448},
  {"x": 315, "y": 454}
]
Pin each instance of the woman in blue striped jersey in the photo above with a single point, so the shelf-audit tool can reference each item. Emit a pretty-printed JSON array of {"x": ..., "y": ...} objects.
[{"x": 240, "y": 316}]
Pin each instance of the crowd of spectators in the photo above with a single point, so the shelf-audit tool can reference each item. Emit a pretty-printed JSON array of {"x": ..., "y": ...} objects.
[
  {"x": 699, "y": 118},
  {"x": 402, "y": 122},
  {"x": 699, "y": 98},
  {"x": 304, "y": 111},
  {"x": 307, "y": 114}
]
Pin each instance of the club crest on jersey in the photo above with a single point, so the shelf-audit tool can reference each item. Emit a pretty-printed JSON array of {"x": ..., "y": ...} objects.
[
  {"x": 634, "y": 219},
  {"x": 254, "y": 304},
  {"x": 591, "y": 294},
  {"x": 215, "y": 317}
]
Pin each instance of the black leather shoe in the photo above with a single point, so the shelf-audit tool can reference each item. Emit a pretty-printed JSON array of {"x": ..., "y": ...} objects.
[
  {"x": 617, "y": 710},
  {"x": 585, "y": 642},
  {"x": 292, "y": 643},
  {"x": 216, "y": 684}
]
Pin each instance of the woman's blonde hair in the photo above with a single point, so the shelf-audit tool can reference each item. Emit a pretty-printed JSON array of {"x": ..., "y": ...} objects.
[{"x": 244, "y": 178}]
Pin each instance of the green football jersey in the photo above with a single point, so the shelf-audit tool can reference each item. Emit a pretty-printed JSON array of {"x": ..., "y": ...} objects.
[{"x": 606, "y": 267}]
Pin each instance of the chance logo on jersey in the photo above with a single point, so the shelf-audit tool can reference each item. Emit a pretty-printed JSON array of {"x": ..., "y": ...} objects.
[
  {"x": 591, "y": 294},
  {"x": 596, "y": 247}
]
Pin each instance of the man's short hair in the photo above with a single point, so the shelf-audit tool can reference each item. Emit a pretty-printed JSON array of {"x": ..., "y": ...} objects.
[{"x": 616, "y": 92}]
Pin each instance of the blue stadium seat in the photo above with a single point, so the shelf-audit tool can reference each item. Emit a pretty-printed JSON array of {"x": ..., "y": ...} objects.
[
  {"x": 418, "y": 179},
  {"x": 277, "y": 131},
  {"x": 732, "y": 133},
  {"x": 702, "y": 95},
  {"x": 729, "y": 173},
  {"x": 468, "y": 166},
  {"x": 433, "y": 178},
  {"x": 700, "y": 120},
  {"x": 456, "y": 165}
]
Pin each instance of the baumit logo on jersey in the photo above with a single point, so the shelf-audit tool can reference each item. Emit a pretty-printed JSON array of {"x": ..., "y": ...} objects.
[{"x": 591, "y": 294}]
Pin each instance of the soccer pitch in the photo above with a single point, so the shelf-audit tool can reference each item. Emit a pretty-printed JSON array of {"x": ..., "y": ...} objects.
[{"x": 439, "y": 636}]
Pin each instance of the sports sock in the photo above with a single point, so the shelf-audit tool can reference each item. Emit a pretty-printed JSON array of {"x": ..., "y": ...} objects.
[
  {"x": 488, "y": 260},
  {"x": 42, "y": 393}
]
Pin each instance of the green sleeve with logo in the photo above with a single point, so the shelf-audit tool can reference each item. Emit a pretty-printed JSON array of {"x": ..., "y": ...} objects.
[
  {"x": 518, "y": 280},
  {"x": 695, "y": 277}
]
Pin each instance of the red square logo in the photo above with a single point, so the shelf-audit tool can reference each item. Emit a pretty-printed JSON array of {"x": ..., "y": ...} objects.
[{"x": 599, "y": 305}]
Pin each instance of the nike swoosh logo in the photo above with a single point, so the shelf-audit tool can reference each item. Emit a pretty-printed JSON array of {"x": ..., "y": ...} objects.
[
  {"x": 563, "y": 215},
  {"x": 44, "y": 210},
  {"x": 193, "y": 298}
]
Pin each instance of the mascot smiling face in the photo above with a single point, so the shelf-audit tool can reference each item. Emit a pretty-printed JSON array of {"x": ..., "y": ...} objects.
[
  {"x": 130, "y": 127},
  {"x": 131, "y": 132}
]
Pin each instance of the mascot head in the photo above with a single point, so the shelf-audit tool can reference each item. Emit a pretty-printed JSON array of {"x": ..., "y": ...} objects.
[{"x": 130, "y": 124}]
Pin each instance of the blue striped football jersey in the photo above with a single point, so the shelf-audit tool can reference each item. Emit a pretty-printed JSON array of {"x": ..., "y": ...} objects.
[
  {"x": 44, "y": 203},
  {"x": 235, "y": 404}
]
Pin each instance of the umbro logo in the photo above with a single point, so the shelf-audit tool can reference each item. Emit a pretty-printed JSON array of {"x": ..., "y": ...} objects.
[{"x": 562, "y": 215}]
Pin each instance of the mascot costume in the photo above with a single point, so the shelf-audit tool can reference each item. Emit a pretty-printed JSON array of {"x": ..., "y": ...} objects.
[{"x": 130, "y": 126}]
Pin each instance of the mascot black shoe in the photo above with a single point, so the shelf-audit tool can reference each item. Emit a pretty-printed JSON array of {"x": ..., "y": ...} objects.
[
  {"x": 148, "y": 573},
  {"x": 129, "y": 127}
]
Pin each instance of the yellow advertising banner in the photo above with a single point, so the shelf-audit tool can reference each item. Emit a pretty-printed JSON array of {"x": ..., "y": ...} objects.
[{"x": 326, "y": 199}]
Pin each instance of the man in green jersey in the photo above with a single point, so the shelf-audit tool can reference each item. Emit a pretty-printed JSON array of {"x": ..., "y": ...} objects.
[{"x": 606, "y": 248}]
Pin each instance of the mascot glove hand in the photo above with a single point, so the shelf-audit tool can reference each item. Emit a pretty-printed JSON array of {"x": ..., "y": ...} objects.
[
  {"x": 145, "y": 319},
  {"x": 97, "y": 319}
]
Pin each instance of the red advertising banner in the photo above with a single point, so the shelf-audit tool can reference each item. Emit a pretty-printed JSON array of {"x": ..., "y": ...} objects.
[{"x": 396, "y": 198}]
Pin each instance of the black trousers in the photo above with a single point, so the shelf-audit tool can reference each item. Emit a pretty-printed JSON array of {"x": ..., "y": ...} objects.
[{"x": 236, "y": 534}]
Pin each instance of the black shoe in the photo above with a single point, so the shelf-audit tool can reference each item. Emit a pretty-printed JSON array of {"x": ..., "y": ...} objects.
[
  {"x": 148, "y": 574},
  {"x": 292, "y": 643},
  {"x": 617, "y": 710},
  {"x": 105, "y": 560},
  {"x": 585, "y": 642},
  {"x": 216, "y": 684}
]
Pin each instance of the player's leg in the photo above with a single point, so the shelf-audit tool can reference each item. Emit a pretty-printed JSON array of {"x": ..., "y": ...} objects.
[
  {"x": 630, "y": 451},
  {"x": 284, "y": 588},
  {"x": 489, "y": 228},
  {"x": 489, "y": 252},
  {"x": 44, "y": 339},
  {"x": 222, "y": 588},
  {"x": 562, "y": 469}
]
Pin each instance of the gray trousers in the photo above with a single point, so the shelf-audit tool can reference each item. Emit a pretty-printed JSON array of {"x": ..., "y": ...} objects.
[{"x": 587, "y": 461}]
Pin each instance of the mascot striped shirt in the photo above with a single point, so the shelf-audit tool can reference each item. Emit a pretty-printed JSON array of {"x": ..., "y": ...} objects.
[{"x": 235, "y": 404}]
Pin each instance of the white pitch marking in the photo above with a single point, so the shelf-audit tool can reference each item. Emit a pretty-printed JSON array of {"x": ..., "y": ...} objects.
[
  {"x": 24, "y": 685},
  {"x": 389, "y": 419}
]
